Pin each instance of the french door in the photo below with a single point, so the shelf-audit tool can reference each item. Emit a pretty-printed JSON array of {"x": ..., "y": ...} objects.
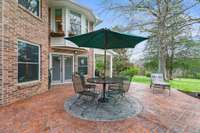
[
  {"x": 68, "y": 68},
  {"x": 56, "y": 68},
  {"x": 62, "y": 68}
]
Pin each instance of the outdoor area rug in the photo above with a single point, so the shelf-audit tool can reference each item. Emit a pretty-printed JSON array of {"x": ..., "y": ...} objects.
[{"x": 117, "y": 108}]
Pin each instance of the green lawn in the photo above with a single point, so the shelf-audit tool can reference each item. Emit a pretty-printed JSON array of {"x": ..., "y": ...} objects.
[{"x": 188, "y": 85}]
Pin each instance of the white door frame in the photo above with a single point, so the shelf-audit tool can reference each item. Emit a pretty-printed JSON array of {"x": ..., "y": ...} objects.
[
  {"x": 64, "y": 68},
  {"x": 56, "y": 81},
  {"x": 62, "y": 80}
]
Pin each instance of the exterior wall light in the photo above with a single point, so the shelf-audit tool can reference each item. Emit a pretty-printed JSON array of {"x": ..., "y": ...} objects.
[{"x": 33, "y": 4}]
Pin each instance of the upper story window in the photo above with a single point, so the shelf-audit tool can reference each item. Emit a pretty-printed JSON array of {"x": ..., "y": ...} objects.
[
  {"x": 31, "y": 5},
  {"x": 87, "y": 26},
  {"x": 28, "y": 62},
  {"x": 58, "y": 20},
  {"x": 75, "y": 23}
]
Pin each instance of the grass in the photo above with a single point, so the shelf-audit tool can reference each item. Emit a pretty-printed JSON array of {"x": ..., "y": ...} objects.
[
  {"x": 187, "y": 85},
  {"x": 141, "y": 79}
]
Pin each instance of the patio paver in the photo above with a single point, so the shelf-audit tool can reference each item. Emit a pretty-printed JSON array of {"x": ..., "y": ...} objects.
[{"x": 178, "y": 113}]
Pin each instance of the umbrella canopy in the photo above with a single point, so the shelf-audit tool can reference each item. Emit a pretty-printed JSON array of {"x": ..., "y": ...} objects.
[{"x": 106, "y": 39}]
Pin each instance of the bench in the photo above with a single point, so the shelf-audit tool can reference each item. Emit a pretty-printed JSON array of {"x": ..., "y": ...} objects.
[{"x": 157, "y": 81}]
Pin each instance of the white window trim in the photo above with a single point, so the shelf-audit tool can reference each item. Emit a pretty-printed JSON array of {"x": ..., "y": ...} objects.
[
  {"x": 53, "y": 23},
  {"x": 40, "y": 4},
  {"x": 71, "y": 12},
  {"x": 87, "y": 61},
  {"x": 55, "y": 81},
  {"x": 39, "y": 69}
]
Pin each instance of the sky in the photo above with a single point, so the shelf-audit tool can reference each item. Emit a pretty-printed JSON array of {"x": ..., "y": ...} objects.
[{"x": 110, "y": 20}]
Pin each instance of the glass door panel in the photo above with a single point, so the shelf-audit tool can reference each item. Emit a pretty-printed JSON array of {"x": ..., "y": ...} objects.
[
  {"x": 56, "y": 65},
  {"x": 68, "y": 64}
]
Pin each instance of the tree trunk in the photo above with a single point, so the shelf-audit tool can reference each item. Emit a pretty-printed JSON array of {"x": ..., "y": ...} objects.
[
  {"x": 162, "y": 64},
  {"x": 171, "y": 61},
  {"x": 162, "y": 48}
]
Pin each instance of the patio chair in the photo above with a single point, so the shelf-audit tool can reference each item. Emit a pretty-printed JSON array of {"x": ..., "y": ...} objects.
[
  {"x": 121, "y": 88},
  {"x": 81, "y": 90},
  {"x": 157, "y": 81},
  {"x": 86, "y": 85},
  {"x": 118, "y": 85}
]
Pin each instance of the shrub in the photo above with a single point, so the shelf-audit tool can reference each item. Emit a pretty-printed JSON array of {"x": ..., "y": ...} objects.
[
  {"x": 148, "y": 74},
  {"x": 131, "y": 71},
  {"x": 100, "y": 65},
  {"x": 197, "y": 76}
]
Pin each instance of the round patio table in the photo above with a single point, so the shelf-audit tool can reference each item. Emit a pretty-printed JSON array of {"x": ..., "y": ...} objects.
[{"x": 104, "y": 82}]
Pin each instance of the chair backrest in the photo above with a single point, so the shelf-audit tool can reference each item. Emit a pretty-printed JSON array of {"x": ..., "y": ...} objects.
[
  {"x": 77, "y": 83},
  {"x": 126, "y": 81},
  {"x": 157, "y": 77},
  {"x": 126, "y": 85},
  {"x": 83, "y": 80}
]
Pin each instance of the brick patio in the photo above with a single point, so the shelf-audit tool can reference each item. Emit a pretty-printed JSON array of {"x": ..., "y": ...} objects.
[{"x": 45, "y": 114}]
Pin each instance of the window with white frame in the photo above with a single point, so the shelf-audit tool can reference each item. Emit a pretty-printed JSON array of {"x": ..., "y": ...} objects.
[
  {"x": 75, "y": 23},
  {"x": 28, "y": 62},
  {"x": 83, "y": 65},
  {"x": 31, "y": 5},
  {"x": 86, "y": 26},
  {"x": 58, "y": 20}
]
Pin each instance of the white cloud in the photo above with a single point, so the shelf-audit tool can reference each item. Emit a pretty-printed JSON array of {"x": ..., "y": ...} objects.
[{"x": 138, "y": 52}]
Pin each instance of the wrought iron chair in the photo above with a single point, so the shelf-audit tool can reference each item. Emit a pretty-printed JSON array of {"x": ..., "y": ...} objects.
[
  {"x": 157, "y": 81},
  {"x": 89, "y": 86},
  {"x": 81, "y": 90},
  {"x": 121, "y": 88}
]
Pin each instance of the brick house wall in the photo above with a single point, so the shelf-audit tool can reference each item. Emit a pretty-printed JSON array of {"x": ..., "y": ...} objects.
[
  {"x": 90, "y": 62},
  {"x": 91, "y": 55},
  {"x": 21, "y": 24},
  {"x": 1, "y": 45},
  {"x": 18, "y": 23}
]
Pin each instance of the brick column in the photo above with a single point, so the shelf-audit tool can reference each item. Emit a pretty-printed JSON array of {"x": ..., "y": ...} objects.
[{"x": 90, "y": 63}]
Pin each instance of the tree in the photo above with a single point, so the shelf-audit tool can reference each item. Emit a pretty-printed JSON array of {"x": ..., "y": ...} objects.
[
  {"x": 121, "y": 60},
  {"x": 164, "y": 20},
  {"x": 186, "y": 59}
]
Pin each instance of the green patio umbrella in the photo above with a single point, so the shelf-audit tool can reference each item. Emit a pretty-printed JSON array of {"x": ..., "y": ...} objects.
[{"x": 106, "y": 39}]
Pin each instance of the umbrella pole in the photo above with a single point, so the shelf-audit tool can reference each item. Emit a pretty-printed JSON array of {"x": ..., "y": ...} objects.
[
  {"x": 104, "y": 63},
  {"x": 104, "y": 84},
  {"x": 105, "y": 48}
]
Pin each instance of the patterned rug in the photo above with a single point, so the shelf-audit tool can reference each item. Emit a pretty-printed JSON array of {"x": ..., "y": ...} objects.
[{"x": 117, "y": 108}]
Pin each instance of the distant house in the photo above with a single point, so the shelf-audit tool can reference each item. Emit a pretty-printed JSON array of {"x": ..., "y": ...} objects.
[{"x": 32, "y": 42}]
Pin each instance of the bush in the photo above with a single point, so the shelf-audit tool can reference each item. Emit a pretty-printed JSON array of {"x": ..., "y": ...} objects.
[
  {"x": 147, "y": 74},
  {"x": 131, "y": 71},
  {"x": 100, "y": 65},
  {"x": 197, "y": 76}
]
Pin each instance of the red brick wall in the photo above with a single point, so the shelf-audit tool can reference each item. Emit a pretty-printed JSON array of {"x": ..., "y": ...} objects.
[
  {"x": 20, "y": 24},
  {"x": 1, "y": 44},
  {"x": 90, "y": 63},
  {"x": 91, "y": 55}
]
